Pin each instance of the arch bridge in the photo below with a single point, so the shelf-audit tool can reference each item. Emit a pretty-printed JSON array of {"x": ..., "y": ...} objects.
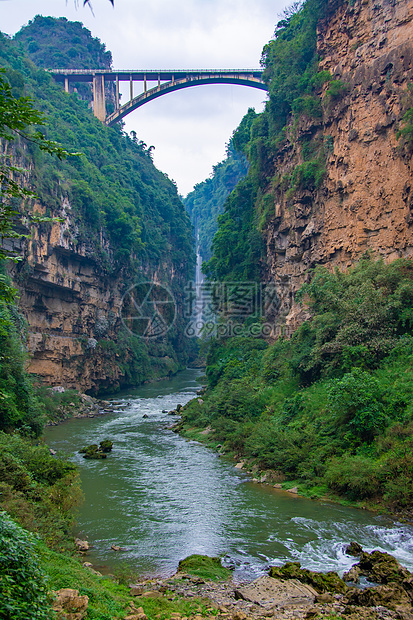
[{"x": 167, "y": 81}]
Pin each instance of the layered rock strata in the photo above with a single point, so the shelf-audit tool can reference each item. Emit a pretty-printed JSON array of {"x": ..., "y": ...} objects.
[{"x": 365, "y": 202}]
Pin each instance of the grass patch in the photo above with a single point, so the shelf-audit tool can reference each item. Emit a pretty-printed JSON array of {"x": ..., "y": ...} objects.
[
  {"x": 204, "y": 567},
  {"x": 108, "y": 599}
]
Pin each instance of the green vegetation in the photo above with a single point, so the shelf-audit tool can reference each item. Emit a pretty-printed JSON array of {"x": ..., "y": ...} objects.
[
  {"x": 204, "y": 567},
  {"x": 23, "y": 590},
  {"x": 30, "y": 571},
  {"x": 61, "y": 44},
  {"x": 295, "y": 92},
  {"x": 38, "y": 490},
  {"x": 405, "y": 133},
  {"x": 206, "y": 202},
  {"x": 331, "y": 408}
]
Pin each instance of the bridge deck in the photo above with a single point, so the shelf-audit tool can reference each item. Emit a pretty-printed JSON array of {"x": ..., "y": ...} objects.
[{"x": 150, "y": 75}]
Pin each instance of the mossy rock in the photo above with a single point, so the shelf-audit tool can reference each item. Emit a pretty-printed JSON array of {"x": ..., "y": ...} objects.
[
  {"x": 204, "y": 567},
  {"x": 106, "y": 445},
  {"x": 354, "y": 549},
  {"x": 92, "y": 452},
  {"x": 321, "y": 582},
  {"x": 381, "y": 567}
]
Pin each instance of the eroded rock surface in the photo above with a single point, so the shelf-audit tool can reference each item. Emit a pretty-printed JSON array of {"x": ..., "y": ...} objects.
[{"x": 365, "y": 201}]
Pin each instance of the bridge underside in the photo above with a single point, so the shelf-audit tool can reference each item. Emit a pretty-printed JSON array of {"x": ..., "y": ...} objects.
[
  {"x": 168, "y": 81},
  {"x": 169, "y": 87}
]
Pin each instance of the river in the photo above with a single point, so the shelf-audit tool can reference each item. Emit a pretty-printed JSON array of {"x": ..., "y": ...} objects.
[{"x": 161, "y": 498}]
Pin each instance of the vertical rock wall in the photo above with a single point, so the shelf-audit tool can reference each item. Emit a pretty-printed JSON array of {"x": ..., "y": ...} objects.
[{"x": 365, "y": 202}]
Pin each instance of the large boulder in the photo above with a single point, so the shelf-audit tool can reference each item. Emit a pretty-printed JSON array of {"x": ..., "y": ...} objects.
[
  {"x": 354, "y": 549},
  {"x": 68, "y": 605},
  {"x": 380, "y": 567},
  {"x": 269, "y": 593},
  {"x": 321, "y": 582},
  {"x": 391, "y": 596}
]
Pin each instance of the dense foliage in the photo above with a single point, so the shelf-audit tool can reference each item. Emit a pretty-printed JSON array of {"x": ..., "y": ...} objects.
[
  {"x": 23, "y": 592},
  {"x": 124, "y": 213},
  {"x": 332, "y": 407},
  {"x": 19, "y": 406},
  {"x": 291, "y": 71},
  {"x": 61, "y": 44},
  {"x": 37, "y": 489},
  {"x": 206, "y": 202}
]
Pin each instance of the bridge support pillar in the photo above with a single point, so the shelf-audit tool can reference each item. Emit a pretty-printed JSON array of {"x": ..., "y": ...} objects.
[{"x": 99, "y": 105}]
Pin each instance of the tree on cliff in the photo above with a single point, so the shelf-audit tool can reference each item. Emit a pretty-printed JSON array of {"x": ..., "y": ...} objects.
[{"x": 18, "y": 119}]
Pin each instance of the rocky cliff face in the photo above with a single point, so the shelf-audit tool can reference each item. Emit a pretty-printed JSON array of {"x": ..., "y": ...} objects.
[
  {"x": 69, "y": 303},
  {"x": 72, "y": 305},
  {"x": 365, "y": 202},
  {"x": 120, "y": 223}
]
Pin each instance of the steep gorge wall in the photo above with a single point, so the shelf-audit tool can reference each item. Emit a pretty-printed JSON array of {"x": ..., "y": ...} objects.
[
  {"x": 69, "y": 303},
  {"x": 120, "y": 223},
  {"x": 72, "y": 303},
  {"x": 365, "y": 201}
]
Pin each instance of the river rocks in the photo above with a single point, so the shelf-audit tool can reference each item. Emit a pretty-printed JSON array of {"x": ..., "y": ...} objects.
[
  {"x": 69, "y": 605},
  {"x": 352, "y": 575},
  {"x": 354, "y": 549},
  {"x": 391, "y": 596},
  {"x": 106, "y": 445},
  {"x": 135, "y": 613},
  {"x": 321, "y": 582},
  {"x": 152, "y": 594},
  {"x": 381, "y": 567},
  {"x": 294, "y": 490},
  {"x": 97, "y": 452},
  {"x": 81, "y": 545},
  {"x": 272, "y": 593}
]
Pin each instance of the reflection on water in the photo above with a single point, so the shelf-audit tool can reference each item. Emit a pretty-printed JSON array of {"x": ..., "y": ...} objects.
[{"x": 162, "y": 497}]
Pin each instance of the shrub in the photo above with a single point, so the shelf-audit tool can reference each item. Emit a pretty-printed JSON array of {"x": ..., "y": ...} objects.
[
  {"x": 23, "y": 591},
  {"x": 354, "y": 400},
  {"x": 355, "y": 476}
]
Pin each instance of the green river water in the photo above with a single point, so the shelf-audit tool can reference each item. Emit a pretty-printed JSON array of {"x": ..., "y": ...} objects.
[{"x": 161, "y": 498}]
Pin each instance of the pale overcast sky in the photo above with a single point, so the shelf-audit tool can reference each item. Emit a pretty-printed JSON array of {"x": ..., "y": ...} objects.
[{"x": 189, "y": 128}]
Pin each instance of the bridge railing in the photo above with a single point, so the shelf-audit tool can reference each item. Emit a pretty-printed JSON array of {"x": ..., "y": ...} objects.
[{"x": 99, "y": 77}]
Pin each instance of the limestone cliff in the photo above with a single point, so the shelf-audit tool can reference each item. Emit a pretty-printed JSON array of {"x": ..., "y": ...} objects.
[
  {"x": 72, "y": 304},
  {"x": 118, "y": 222},
  {"x": 365, "y": 201}
]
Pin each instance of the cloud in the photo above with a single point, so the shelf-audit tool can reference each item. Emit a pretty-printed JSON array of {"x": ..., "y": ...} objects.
[{"x": 188, "y": 128}]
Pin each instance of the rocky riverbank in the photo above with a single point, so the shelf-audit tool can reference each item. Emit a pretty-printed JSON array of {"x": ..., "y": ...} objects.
[
  {"x": 376, "y": 588},
  {"x": 80, "y": 406}
]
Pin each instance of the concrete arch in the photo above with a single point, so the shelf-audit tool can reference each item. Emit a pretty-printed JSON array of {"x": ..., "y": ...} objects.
[{"x": 186, "y": 82}]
